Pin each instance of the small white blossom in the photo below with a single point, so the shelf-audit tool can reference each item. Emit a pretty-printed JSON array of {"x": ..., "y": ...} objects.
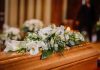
[
  {"x": 79, "y": 36},
  {"x": 66, "y": 36},
  {"x": 33, "y": 24},
  {"x": 33, "y": 47},
  {"x": 56, "y": 47},
  {"x": 5, "y": 27},
  {"x": 13, "y": 32},
  {"x": 60, "y": 30},
  {"x": 43, "y": 45},
  {"x": 12, "y": 45}
]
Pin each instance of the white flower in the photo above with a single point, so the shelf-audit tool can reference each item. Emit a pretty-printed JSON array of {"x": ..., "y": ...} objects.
[
  {"x": 82, "y": 38},
  {"x": 62, "y": 37},
  {"x": 13, "y": 30},
  {"x": 43, "y": 45},
  {"x": 33, "y": 47},
  {"x": 66, "y": 36},
  {"x": 5, "y": 27},
  {"x": 31, "y": 27},
  {"x": 56, "y": 47},
  {"x": 26, "y": 24},
  {"x": 45, "y": 32},
  {"x": 52, "y": 42},
  {"x": 34, "y": 51},
  {"x": 33, "y": 24},
  {"x": 12, "y": 45},
  {"x": 79, "y": 36},
  {"x": 31, "y": 44},
  {"x": 53, "y": 26},
  {"x": 60, "y": 30}
]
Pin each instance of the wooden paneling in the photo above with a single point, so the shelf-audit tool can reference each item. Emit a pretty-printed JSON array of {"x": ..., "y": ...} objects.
[
  {"x": 21, "y": 12},
  {"x": 38, "y": 9},
  {"x": 47, "y": 12},
  {"x": 30, "y": 9},
  {"x": 57, "y": 11},
  {"x": 25, "y": 9},
  {"x": 65, "y": 6},
  {"x": 13, "y": 13},
  {"x": 73, "y": 8}
]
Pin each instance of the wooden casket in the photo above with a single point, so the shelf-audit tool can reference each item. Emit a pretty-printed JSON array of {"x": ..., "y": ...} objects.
[{"x": 78, "y": 58}]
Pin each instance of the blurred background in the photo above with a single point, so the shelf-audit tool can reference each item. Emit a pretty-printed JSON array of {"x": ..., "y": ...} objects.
[{"x": 60, "y": 12}]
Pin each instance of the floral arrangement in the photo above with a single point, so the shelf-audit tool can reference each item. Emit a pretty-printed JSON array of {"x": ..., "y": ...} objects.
[
  {"x": 32, "y": 25},
  {"x": 54, "y": 39},
  {"x": 12, "y": 33},
  {"x": 48, "y": 40}
]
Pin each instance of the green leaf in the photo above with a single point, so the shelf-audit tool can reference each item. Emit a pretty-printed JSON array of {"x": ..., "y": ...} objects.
[
  {"x": 33, "y": 37},
  {"x": 46, "y": 53},
  {"x": 60, "y": 49},
  {"x": 21, "y": 50},
  {"x": 61, "y": 46},
  {"x": 25, "y": 29}
]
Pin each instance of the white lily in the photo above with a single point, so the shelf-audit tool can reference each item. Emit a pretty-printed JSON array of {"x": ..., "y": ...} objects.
[{"x": 33, "y": 47}]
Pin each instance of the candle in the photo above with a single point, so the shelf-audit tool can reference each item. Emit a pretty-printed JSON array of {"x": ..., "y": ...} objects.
[{"x": 68, "y": 29}]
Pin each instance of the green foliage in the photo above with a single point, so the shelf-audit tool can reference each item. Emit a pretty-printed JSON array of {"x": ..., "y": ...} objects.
[
  {"x": 61, "y": 45},
  {"x": 46, "y": 53},
  {"x": 52, "y": 40},
  {"x": 25, "y": 29},
  {"x": 33, "y": 37},
  {"x": 22, "y": 50},
  {"x": 73, "y": 41}
]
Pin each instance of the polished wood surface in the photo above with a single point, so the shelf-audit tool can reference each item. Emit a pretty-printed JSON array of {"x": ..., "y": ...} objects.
[{"x": 78, "y": 58}]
